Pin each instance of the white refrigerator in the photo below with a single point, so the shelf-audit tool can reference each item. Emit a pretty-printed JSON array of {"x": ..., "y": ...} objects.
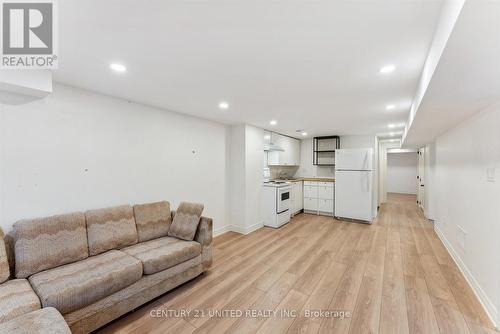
[{"x": 354, "y": 184}]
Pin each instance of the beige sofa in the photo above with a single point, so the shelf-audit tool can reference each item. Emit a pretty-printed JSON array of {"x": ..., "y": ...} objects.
[
  {"x": 20, "y": 309},
  {"x": 96, "y": 266}
]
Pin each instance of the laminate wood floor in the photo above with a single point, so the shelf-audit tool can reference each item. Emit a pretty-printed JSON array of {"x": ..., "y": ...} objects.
[{"x": 321, "y": 275}]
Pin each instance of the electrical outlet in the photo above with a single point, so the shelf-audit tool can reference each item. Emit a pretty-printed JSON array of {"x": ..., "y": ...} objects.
[
  {"x": 461, "y": 236},
  {"x": 490, "y": 174}
]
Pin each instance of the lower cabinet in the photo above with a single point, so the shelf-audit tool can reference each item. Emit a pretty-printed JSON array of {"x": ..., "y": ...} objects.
[
  {"x": 310, "y": 204},
  {"x": 296, "y": 198},
  {"x": 319, "y": 197},
  {"x": 325, "y": 206}
]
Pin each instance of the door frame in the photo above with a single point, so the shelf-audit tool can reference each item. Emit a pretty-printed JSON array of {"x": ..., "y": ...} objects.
[{"x": 421, "y": 178}]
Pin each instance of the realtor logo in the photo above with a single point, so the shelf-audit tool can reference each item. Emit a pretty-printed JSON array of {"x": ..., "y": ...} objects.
[{"x": 28, "y": 34}]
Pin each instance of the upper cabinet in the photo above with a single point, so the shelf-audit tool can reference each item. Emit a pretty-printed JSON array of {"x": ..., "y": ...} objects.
[
  {"x": 289, "y": 150},
  {"x": 324, "y": 150}
]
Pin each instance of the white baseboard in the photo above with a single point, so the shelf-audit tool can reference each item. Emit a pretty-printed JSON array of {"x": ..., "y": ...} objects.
[
  {"x": 221, "y": 230},
  {"x": 238, "y": 229},
  {"x": 246, "y": 230},
  {"x": 488, "y": 305}
]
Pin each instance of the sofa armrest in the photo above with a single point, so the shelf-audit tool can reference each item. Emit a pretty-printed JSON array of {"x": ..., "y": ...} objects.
[{"x": 204, "y": 237}]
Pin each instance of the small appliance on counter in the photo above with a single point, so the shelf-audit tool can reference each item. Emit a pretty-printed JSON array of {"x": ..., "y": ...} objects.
[{"x": 275, "y": 205}]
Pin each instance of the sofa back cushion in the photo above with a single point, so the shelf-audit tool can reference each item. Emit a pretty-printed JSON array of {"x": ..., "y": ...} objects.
[
  {"x": 4, "y": 262},
  {"x": 110, "y": 228},
  {"x": 46, "y": 243},
  {"x": 152, "y": 220},
  {"x": 186, "y": 221}
]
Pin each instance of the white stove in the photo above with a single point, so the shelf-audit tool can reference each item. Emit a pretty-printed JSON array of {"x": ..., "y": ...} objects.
[{"x": 275, "y": 206}]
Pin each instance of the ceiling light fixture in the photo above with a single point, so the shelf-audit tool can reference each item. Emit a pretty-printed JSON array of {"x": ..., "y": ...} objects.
[
  {"x": 387, "y": 69},
  {"x": 304, "y": 133},
  {"x": 390, "y": 107},
  {"x": 391, "y": 126},
  {"x": 118, "y": 67},
  {"x": 223, "y": 105},
  {"x": 273, "y": 122}
]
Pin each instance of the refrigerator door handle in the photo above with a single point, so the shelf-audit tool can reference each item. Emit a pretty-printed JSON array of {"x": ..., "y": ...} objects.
[{"x": 367, "y": 183}]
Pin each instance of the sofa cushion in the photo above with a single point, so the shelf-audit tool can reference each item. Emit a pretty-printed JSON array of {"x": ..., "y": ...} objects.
[
  {"x": 110, "y": 228},
  {"x": 186, "y": 221},
  {"x": 4, "y": 261},
  {"x": 73, "y": 286},
  {"x": 152, "y": 220},
  {"x": 46, "y": 243},
  {"x": 17, "y": 298},
  {"x": 43, "y": 321},
  {"x": 163, "y": 253}
]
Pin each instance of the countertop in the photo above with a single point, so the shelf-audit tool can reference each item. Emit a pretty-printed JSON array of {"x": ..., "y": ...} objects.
[{"x": 313, "y": 179}]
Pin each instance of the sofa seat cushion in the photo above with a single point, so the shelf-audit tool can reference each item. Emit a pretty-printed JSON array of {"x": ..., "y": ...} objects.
[
  {"x": 163, "y": 253},
  {"x": 17, "y": 298},
  {"x": 73, "y": 286},
  {"x": 43, "y": 321}
]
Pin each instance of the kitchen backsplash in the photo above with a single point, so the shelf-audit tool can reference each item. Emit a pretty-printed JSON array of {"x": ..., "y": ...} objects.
[
  {"x": 289, "y": 170},
  {"x": 315, "y": 171}
]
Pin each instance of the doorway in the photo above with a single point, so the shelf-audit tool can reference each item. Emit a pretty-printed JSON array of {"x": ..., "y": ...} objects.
[
  {"x": 421, "y": 178},
  {"x": 402, "y": 171}
]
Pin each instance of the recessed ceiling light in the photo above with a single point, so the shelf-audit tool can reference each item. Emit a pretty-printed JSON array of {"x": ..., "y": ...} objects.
[
  {"x": 223, "y": 105},
  {"x": 273, "y": 122},
  {"x": 387, "y": 69},
  {"x": 304, "y": 133},
  {"x": 392, "y": 126},
  {"x": 390, "y": 106},
  {"x": 118, "y": 67}
]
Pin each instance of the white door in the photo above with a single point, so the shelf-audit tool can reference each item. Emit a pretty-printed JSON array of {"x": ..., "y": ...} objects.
[
  {"x": 421, "y": 178},
  {"x": 354, "y": 159},
  {"x": 353, "y": 195}
]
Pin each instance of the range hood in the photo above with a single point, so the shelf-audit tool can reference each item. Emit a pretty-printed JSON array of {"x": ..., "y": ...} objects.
[
  {"x": 270, "y": 139},
  {"x": 271, "y": 147}
]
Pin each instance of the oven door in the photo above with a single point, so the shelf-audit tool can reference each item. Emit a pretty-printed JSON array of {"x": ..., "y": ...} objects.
[{"x": 283, "y": 199}]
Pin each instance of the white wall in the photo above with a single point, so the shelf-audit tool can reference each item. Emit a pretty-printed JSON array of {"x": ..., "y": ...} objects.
[
  {"x": 383, "y": 146},
  {"x": 463, "y": 197},
  {"x": 402, "y": 173},
  {"x": 246, "y": 161},
  {"x": 306, "y": 168},
  {"x": 237, "y": 180},
  {"x": 76, "y": 150},
  {"x": 254, "y": 146}
]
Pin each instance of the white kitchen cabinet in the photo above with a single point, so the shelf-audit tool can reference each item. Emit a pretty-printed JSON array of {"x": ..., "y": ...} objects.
[
  {"x": 319, "y": 197},
  {"x": 310, "y": 191},
  {"x": 311, "y": 204},
  {"x": 297, "y": 198},
  {"x": 290, "y": 156},
  {"x": 325, "y": 206},
  {"x": 325, "y": 192}
]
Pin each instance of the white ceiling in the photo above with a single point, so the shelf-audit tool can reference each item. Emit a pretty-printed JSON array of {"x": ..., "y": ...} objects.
[
  {"x": 310, "y": 65},
  {"x": 467, "y": 78}
]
